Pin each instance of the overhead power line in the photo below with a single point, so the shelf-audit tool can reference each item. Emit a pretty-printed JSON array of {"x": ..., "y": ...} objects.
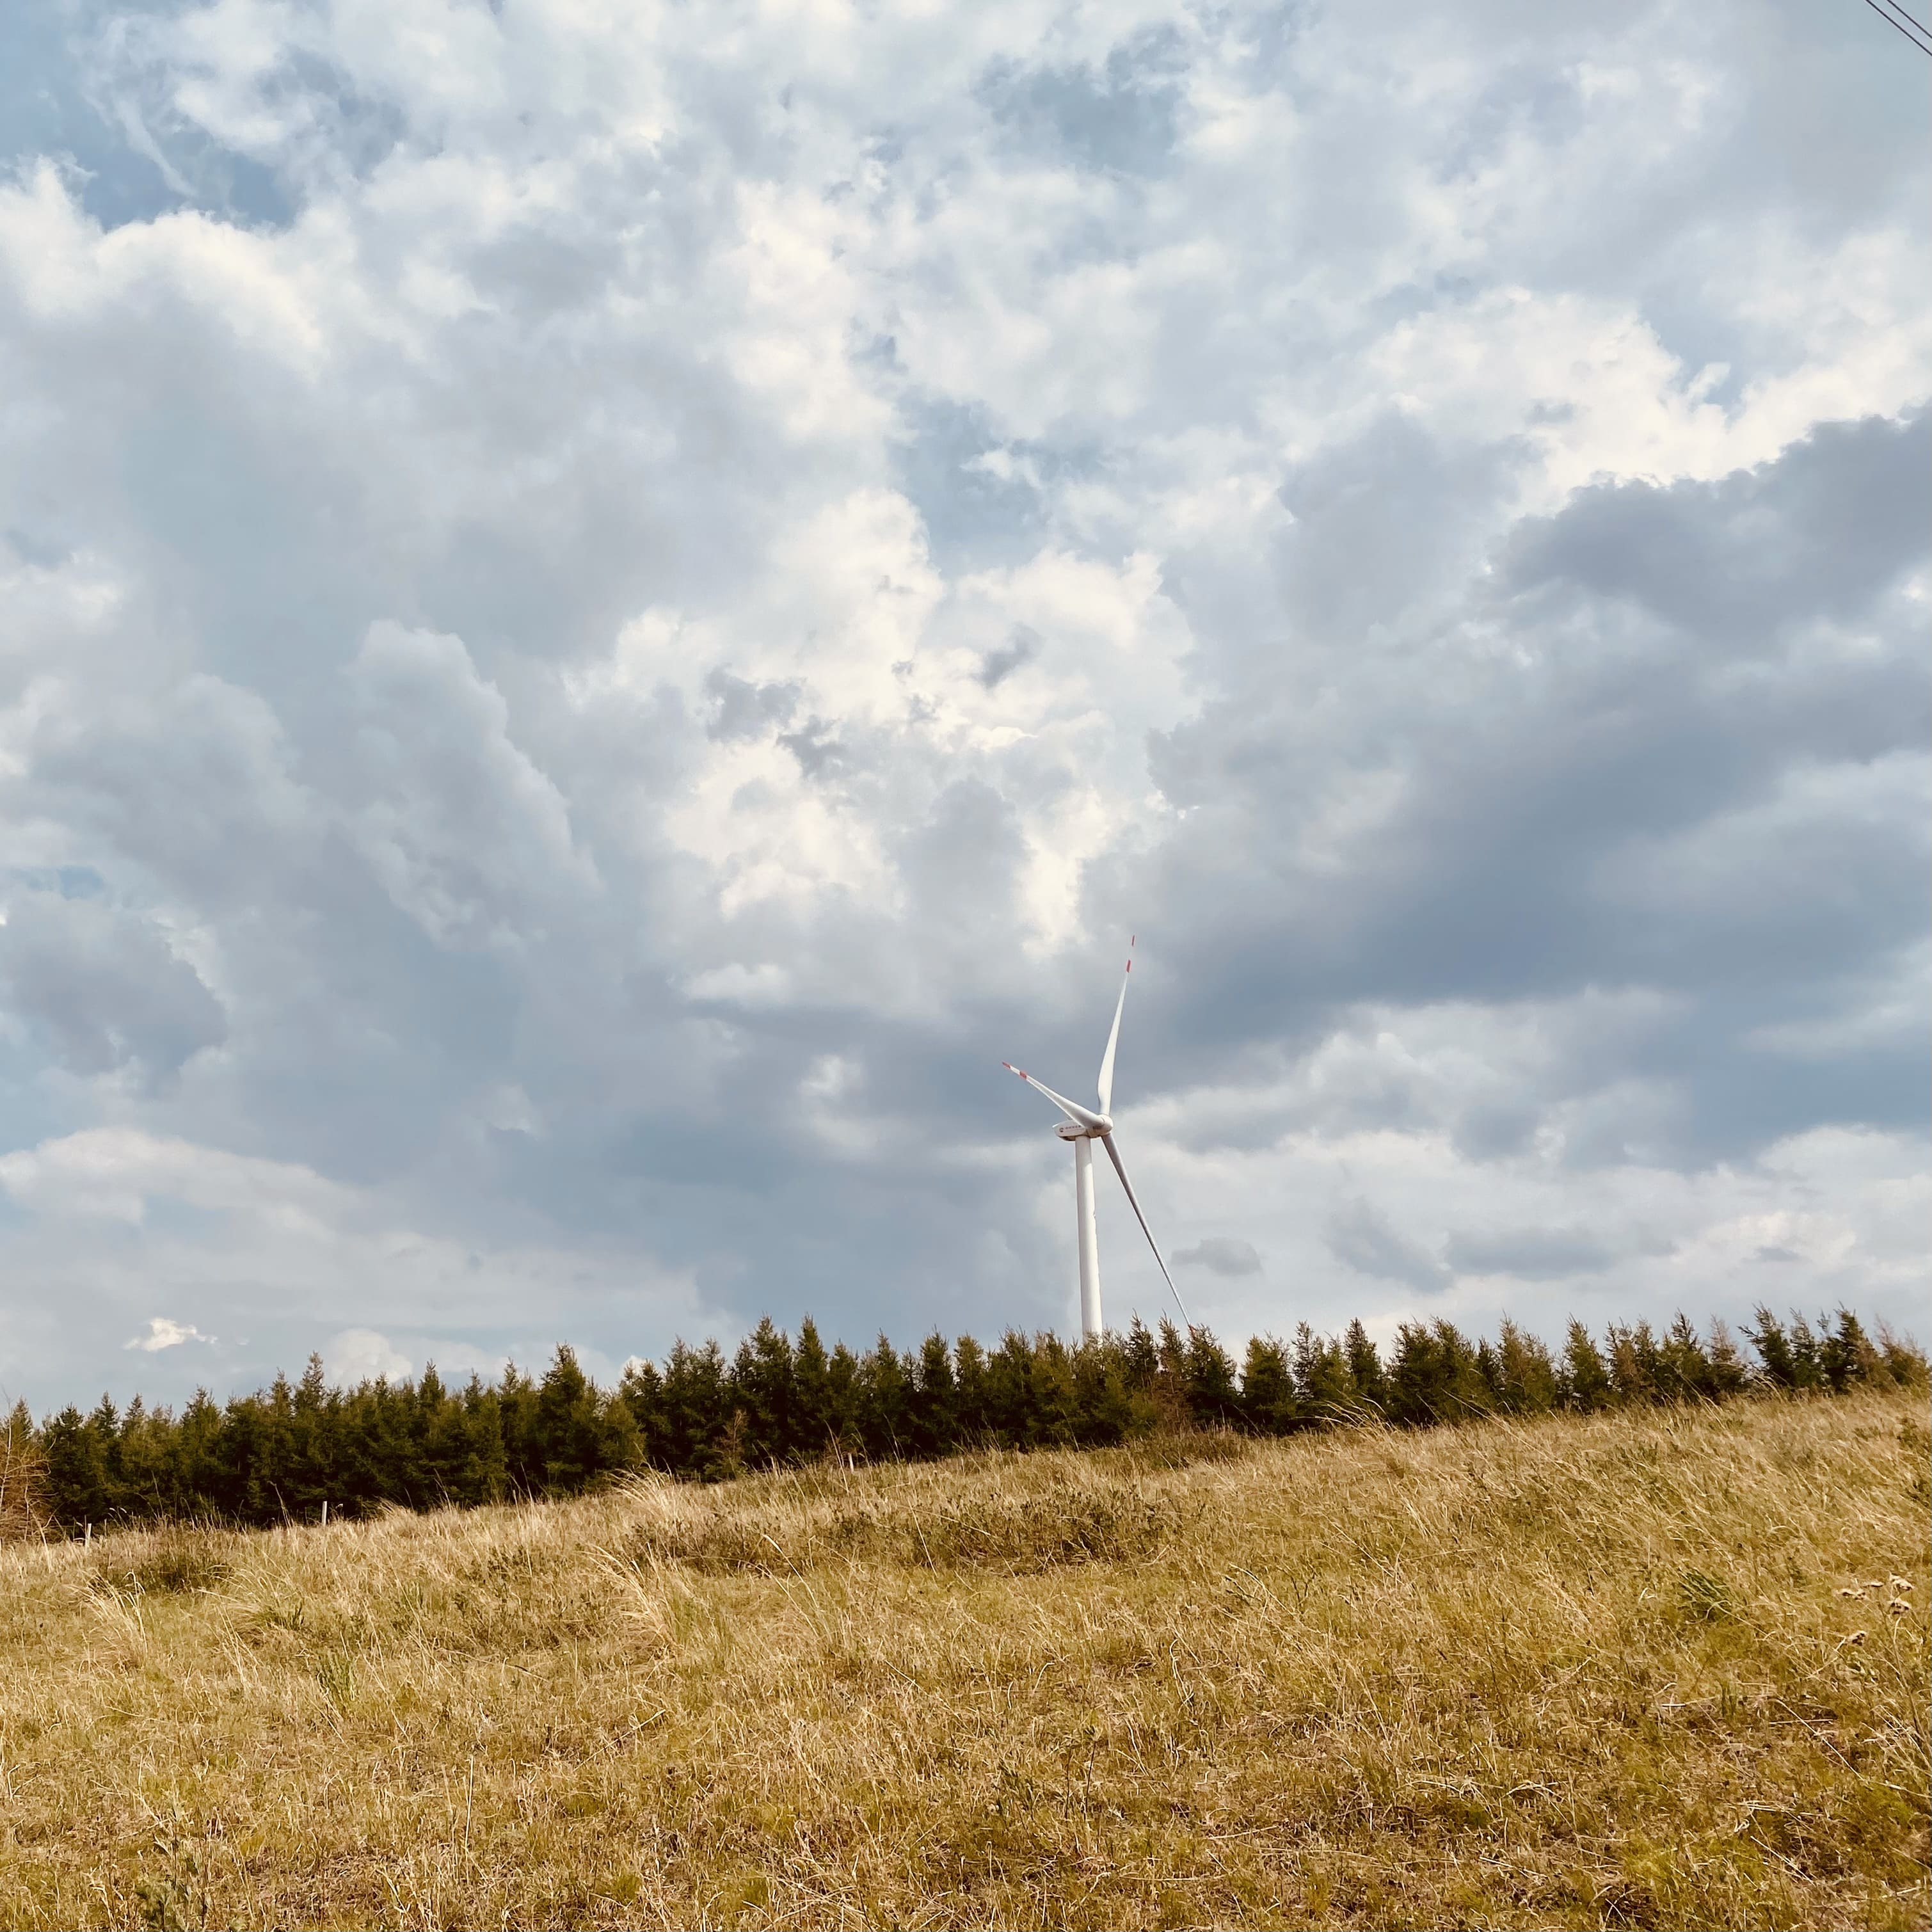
[{"x": 1895, "y": 16}]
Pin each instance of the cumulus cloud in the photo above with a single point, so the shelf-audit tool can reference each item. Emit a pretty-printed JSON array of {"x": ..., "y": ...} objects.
[
  {"x": 583, "y": 662},
  {"x": 362, "y": 1354},
  {"x": 163, "y": 1334}
]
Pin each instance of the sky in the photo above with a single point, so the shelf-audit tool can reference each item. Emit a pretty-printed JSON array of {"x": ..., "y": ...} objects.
[{"x": 603, "y": 608}]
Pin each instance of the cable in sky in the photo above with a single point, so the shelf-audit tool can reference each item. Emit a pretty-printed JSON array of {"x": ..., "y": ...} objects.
[{"x": 1894, "y": 15}]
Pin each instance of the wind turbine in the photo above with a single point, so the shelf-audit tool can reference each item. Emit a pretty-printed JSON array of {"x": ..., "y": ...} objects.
[{"x": 1083, "y": 1127}]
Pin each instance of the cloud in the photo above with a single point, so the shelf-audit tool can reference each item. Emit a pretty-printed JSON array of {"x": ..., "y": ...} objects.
[
  {"x": 163, "y": 1334},
  {"x": 361, "y": 1355},
  {"x": 1361, "y": 1235},
  {"x": 581, "y": 665},
  {"x": 105, "y": 985},
  {"x": 1530, "y": 1254},
  {"x": 1220, "y": 1254}
]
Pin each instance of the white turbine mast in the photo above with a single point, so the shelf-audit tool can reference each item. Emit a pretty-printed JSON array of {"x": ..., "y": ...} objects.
[{"x": 1083, "y": 1127}]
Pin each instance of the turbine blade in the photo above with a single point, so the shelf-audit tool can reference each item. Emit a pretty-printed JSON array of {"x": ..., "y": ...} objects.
[
  {"x": 1078, "y": 1114},
  {"x": 1120, "y": 1168},
  {"x": 1114, "y": 1038}
]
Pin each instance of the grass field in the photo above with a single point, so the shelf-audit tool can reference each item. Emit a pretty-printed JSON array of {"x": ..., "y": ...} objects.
[{"x": 1667, "y": 1669}]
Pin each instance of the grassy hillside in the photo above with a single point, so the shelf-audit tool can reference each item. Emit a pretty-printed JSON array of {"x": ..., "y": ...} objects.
[{"x": 1660, "y": 1669}]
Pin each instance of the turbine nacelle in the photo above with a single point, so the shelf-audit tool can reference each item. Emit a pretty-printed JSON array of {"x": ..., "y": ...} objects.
[{"x": 1069, "y": 1130}]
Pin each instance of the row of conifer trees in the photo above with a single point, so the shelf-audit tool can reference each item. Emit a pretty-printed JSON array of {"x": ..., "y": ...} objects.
[{"x": 281, "y": 1454}]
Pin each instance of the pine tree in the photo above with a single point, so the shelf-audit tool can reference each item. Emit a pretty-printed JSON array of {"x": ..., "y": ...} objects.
[
  {"x": 697, "y": 1409},
  {"x": 1584, "y": 1381},
  {"x": 1845, "y": 1357},
  {"x": 1056, "y": 1396},
  {"x": 640, "y": 1390},
  {"x": 76, "y": 1475},
  {"x": 812, "y": 1427},
  {"x": 1010, "y": 1407},
  {"x": 1365, "y": 1368},
  {"x": 517, "y": 1425},
  {"x": 844, "y": 1401},
  {"x": 1214, "y": 1397},
  {"x": 1105, "y": 1409},
  {"x": 1685, "y": 1369},
  {"x": 1435, "y": 1377},
  {"x": 886, "y": 1390},
  {"x": 1526, "y": 1376},
  {"x": 764, "y": 1379},
  {"x": 1324, "y": 1389},
  {"x": 1808, "y": 1368},
  {"x": 932, "y": 1425},
  {"x": 1767, "y": 1335},
  {"x": 486, "y": 1474},
  {"x": 972, "y": 1421},
  {"x": 1268, "y": 1405},
  {"x": 1730, "y": 1376},
  {"x": 1140, "y": 1357}
]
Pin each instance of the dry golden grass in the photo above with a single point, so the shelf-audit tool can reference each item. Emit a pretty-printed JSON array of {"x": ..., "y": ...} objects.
[{"x": 1661, "y": 1670}]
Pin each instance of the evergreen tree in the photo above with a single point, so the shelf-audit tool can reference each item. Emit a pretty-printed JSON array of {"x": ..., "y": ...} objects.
[
  {"x": 696, "y": 1408},
  {"x": 1055, "y": 1394},
  {"x": 1526, "y": 1376},
  {"x": 1904, "y": 1362},
  {"x": 1268, "y": 1404},
  {"x": 1365, "y": 1368},
  {"x": 1140, "y": 1357},
  {"x": 572, "y": 1437},
  {"x": 280, "y": 1453},
  {"x": 1684, "y": 1369},
  {"x": 764, "y": 1387},
  {"x": 1213, "y": 1395},
  {"x": 813, "y": 1429},
  {"x": 1767, "y": 1335},
  {"x": 932, "y": 1427},
  {"x": 1324, "y": 1389},
  {"x": 1435, "y": 1376},
  {"x": 1806, "y": 1365},
  {"x": 76, "y": 1473},
  {"x": 314, "y": 1420},
  {"x": 1637, "y": 1365},
  {"x": 1730, "y": 1376},
  {"x": 1845, "y": 1357},
  {"x": 1584, "y": 1381},
  {"x": 1010, "y": 1407},
  {"x": 641, "y": 1391},
  {"x": 1106, "y": 1410},
  {"x": 486, "y": 1473},
  {"x": 885, "y": 1393},
  {"x": 516, "y": 1427},
  {"x": 972, "y": 1419},
  {"x": 844, "y": 1401}
]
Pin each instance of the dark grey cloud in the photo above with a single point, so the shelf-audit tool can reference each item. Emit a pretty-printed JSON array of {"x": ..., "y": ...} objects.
[
  {"x": 1603, "y": 804},
  {"x": 1021, "y": 647},
  {"x": 742, "y": 710},
  {"x": 1120, "y": 114},
  {"x": 105, "y": 986},
  {"x": 1360, "y": 1234},
  {"x": 1530, "y": 1254},
  {"x": 1220, "y": 1254}
]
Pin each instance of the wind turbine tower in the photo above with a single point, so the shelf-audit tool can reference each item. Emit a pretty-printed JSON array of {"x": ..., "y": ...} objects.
[{"x": 1083, "y": 1127}]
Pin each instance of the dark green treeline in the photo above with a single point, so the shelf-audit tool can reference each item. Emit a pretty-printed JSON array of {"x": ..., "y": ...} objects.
[{"x": 281, "y": 1454}]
